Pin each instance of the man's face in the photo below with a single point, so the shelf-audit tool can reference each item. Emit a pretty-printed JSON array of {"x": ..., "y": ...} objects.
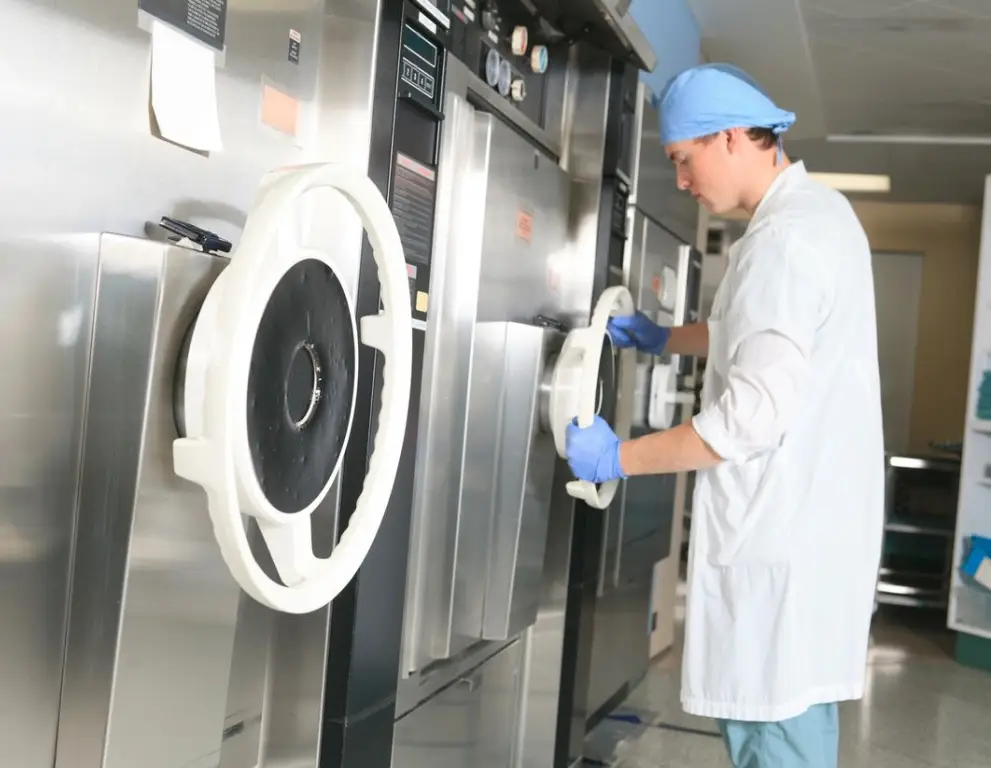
[{"x": 707, "y": 169}]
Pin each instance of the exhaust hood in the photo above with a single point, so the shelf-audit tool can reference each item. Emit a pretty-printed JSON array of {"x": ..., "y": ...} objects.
[{"x": 606, "y": 24}]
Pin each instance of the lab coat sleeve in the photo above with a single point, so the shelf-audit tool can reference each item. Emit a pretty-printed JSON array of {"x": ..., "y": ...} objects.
[{"x": 779, "y": 297}]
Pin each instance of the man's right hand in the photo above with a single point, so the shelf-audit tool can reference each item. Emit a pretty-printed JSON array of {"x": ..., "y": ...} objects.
[{"x": 638, "y": 331}]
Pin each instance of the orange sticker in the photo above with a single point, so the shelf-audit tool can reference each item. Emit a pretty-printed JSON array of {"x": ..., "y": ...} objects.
[
  {"x": 524, "y": 226},
  {"x": 279, "y": 110},
  {"x": 655, "y": 284}
]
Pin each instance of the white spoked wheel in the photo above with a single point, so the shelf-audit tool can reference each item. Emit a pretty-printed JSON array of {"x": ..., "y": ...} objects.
[
  {"x": 575, "y": 384},
  {"x": 225, "y": 455}
]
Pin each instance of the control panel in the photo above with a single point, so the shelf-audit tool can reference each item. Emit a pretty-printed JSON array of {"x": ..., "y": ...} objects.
[
  {"x": 413, "y": 187},
  {"x": 501, "y": 43},
  {"x": 420, "y": 64}
]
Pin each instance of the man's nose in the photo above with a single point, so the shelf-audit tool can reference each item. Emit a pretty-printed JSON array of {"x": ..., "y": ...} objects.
[{"x": 683, "y": 181}]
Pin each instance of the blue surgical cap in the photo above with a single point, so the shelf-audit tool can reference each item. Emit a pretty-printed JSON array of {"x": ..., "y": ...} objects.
[{"x": 711, "y": 98}]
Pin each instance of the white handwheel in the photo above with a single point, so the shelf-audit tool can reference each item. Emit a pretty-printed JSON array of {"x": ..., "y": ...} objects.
[
  {"x": 215, "y": 452},
  {"x": 575, "y": 382}
]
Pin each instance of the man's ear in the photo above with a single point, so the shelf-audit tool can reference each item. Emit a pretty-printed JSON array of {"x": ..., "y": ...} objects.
[{"x": 735, "y": 137}]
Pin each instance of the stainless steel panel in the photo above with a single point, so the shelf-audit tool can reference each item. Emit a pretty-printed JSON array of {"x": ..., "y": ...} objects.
[
  {"x": 443, "y": 403},
  {"x": 487, "y": 268},
  {"x": 275, "y": 701},
  {"x": 605, "y": 23},
  {"x": 46, "y": 302},
  {"x": 544, "y": 641},
  {"x": 153, "y": 607},
  {"x": 506, "y": 485},
  {"x": 79, "y": 153},
  {"x": 82, "y": 159},
  {"x": 647, "y": 505},
  {"x": 586, "y": 106},
  {"x": 470, "y": 724},
  {"x": 516, "y": 271},
  {"x": 584, "y": 122},
  {"x": 621, "y": 644}
]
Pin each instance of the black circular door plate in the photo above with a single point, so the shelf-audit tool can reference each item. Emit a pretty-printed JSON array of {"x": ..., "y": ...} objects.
[{"x": 301, "y": 385}]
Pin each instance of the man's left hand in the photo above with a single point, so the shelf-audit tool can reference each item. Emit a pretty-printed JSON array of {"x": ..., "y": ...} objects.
[{"x": 593, "y": 452}]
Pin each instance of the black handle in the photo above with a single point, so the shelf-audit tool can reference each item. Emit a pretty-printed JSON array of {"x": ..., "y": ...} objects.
[{"x": 208, "y": 241}]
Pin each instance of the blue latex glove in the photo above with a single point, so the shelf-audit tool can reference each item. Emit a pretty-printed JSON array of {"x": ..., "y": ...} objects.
[
  {"x": 638, "y": 331},
  {"x": 593, "y": 452}
]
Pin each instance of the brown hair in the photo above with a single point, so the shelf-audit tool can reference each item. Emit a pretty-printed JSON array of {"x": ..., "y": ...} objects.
[{"x": 764, "y": 137}]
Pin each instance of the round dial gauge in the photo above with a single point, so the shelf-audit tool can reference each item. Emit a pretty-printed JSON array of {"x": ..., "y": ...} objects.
[
  {"x": 520, "y": 41},
  {"x": 505, "y": 78},
  {"x": 492, "y": 62},
  {"x": 539, "y": 59}
]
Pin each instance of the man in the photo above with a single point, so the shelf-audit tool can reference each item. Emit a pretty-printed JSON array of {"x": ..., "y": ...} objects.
[{"x": 788, "y": 510}]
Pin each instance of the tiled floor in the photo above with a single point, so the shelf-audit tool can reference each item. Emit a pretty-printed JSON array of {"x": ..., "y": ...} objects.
[{"x": 922, "y": 710}]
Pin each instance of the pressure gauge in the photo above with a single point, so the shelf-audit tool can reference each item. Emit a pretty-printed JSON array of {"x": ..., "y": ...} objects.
[
  {"x": 520, "y": 41},
  {"x": 505, "y": 78},
  {"x": 492, "y": 68},
  {"x": 539, "y": 59}
]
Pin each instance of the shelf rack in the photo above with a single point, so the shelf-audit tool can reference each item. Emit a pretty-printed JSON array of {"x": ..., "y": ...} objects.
[
  {"x": 920, "y": 515},
  {"x": 970, "y": 604}
]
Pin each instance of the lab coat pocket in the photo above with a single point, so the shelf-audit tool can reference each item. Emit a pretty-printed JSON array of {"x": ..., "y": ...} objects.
[{"x": 749, "y": 632}]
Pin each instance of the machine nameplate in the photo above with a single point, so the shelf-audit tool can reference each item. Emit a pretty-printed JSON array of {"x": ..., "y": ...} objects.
[{"x": 206, "y": 20}]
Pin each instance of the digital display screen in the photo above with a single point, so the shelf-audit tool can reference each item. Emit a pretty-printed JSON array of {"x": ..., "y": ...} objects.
[
  {"x": 420, "y": 62},
  {"x": 419, "y": 47}
]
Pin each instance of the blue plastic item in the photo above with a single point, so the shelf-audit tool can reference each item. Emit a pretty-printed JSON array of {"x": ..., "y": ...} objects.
[
  {"x": 977, "y": 564},
  {"x": 984, "y": 398}
]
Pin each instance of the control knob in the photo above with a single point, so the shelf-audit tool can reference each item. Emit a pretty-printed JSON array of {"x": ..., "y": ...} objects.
[{"x": 518, "y": 90}]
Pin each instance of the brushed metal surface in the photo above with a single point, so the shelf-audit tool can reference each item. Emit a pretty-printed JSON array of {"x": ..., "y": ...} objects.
[
  {"x": 620, "y": 648},
  {"x": 153, "y": 609},
  {"x": 47, "y": 286},
  {"x": 506, "y": 485},
  {"x": 275, "y": 702},
  {"x": 79, "y": 154},
  {"x": 586, "y": 108},
  {"x": 472, "y": 723},
  {"x": 647, "y": 509},
  {"x": 544, "y": 641},
  {"x": 455, "y": 273},
  {"x": 502, "y": 217},
  {"x": 81, "y": 158}
]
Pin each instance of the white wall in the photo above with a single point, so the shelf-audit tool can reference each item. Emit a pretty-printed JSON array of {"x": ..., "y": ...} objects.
[{"x": 897, "y": 291}]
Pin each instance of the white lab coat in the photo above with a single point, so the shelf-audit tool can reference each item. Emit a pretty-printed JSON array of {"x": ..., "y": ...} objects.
[{"x": 786, "y": 532}]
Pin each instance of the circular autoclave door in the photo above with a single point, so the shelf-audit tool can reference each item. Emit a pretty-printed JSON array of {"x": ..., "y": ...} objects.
[{"x": 268, "y": 391}]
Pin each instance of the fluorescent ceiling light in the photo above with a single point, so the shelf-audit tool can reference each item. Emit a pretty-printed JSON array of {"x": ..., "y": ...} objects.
[
  {"x": 962, "y": 141},
  {"x": 854, "y": 182}
]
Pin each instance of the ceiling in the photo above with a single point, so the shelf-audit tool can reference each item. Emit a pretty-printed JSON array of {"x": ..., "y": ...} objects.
[{"x": 854, "y": 69}]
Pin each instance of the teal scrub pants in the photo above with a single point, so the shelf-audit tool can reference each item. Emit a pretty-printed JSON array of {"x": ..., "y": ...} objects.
[{"x": 811, "y": 740}]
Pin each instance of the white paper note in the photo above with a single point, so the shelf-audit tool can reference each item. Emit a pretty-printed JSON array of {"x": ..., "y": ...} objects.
[{"x": 184, "y": 89}]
